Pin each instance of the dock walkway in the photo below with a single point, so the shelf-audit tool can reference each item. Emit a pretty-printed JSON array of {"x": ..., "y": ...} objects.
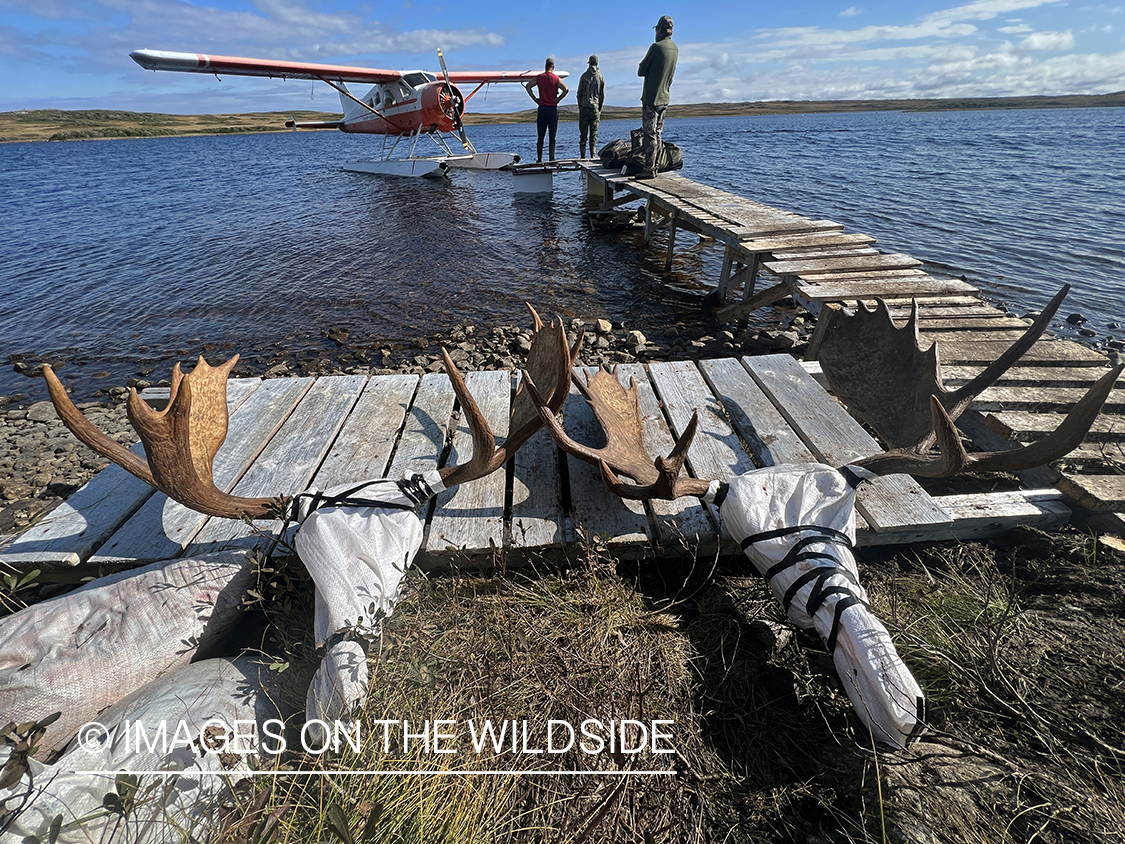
[
  {"x": 770, "y": 253},
  {"x": 287, "y": 435}
]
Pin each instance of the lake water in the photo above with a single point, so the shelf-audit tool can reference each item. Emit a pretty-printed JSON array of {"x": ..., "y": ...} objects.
[{"x": 129, "y": 254}]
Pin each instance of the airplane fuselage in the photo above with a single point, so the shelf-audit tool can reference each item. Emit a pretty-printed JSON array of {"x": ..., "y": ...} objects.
[{"x": 417, "y": 102}]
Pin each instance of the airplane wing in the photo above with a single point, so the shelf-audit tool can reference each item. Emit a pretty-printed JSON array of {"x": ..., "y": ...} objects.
[
  {"x": 237, "y": 66},
  {"x": 489, "y": 76}
]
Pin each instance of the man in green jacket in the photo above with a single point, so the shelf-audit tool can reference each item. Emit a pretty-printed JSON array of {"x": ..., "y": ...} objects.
[
  {"x": 657, "y": 68},
  {"x": 591, "y": 98}
]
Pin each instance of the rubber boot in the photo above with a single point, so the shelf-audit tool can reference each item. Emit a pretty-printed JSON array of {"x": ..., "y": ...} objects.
[
  {"x": 593, "y": 146},
  {"x": 539, "y": 152},
  {"x": 552, "y": 150}
]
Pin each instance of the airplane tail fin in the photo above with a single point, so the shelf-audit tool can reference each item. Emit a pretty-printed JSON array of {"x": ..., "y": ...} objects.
[{"x": 350, "y": 107}]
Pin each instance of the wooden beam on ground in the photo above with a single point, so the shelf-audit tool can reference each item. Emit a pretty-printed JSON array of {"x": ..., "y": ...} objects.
[
  {"x": 979, "y": 516},
  {"x": 1097, "y": 493}
]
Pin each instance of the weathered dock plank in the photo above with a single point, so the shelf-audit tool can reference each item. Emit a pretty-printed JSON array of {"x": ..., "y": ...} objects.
[
  {"x": 287, "y": 464},
  {"x": 892, "y": 261},
  {"x": 363, "y": 449},
  {"x": 862, "y": 288},
  {"x": 685, "y": 519},
  {"x": 753, "y": 415},
  {"x": 538, "y": 520},
  {"x": 470, "y": 517},
  {"x": 1022, "y": 426},
  {"x": 622, "y": 525},
  {"x": 423, "y": 436},
  {"x": 715, "y": 453},
  {"x": 836, "y": 439}
]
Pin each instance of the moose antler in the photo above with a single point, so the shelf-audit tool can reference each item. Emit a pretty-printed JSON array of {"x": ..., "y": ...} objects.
[
  {"x": 885, "y": 378},
  {"x": 551, "y": 360},
  {"x": 181, "y": 441},
  {"x": 618, "y": 412}
]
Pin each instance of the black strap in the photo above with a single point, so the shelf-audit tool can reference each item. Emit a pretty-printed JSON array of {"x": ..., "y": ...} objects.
[
  {"x": 721, "y": 494},
  {"x": 836, "y": 536},
  {"x": 818, "y": 576},
  {"x": 414, "y": 489}
]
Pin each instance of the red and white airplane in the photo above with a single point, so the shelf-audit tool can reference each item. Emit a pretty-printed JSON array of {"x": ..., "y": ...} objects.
[{"x": 402, "y": 104}]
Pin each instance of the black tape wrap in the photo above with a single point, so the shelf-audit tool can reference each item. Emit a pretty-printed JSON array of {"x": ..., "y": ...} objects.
[
  {"x": 829, "y": 566},
  {"x": 414, "y": 489}
]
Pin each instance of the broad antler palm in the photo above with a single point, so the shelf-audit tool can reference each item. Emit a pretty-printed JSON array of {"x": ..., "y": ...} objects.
[
  {"x": 618, "y": 412},
  {"x": 885, "y": 378},
  {"x": 181, "y": 441},
  {"x": 881, "y": 374}
]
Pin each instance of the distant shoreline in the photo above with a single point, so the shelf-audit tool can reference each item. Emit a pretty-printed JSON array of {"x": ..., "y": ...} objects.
[{"x": 96, "y": 124}]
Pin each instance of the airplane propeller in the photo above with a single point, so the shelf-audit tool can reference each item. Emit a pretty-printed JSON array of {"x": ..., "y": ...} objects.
[{"x": 456, "y": 102}]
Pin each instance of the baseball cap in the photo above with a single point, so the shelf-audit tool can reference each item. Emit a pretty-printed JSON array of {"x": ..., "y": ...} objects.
[{"x": 665, "y": 22}]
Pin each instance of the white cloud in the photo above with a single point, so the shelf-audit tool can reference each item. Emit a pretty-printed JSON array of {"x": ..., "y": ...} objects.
[
  {"x": 851, "y": 12},
  {"x": 1048, "y": 41},
  {"x": 1017, "y": 29}
]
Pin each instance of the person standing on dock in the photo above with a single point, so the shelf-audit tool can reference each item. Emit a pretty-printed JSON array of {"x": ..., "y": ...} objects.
[
  {"x": 551, "y": 91},
  {"x": 657, "y": 68},
  {"x": 591, "y": 98}
]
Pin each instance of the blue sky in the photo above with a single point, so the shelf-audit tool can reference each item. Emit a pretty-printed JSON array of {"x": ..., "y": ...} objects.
[{"x": 75, "y": 53}]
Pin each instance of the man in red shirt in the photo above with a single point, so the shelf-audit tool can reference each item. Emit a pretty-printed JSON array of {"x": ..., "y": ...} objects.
[{"x": 551, "y": 91}]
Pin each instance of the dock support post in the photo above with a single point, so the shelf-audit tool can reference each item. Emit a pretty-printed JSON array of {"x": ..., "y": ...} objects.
[
  {"x": 720, "y": 294},
  {"x": 829, "y": 313},
  {"x": 671, "y": 240},
  {"x": 648, "y": 221}
]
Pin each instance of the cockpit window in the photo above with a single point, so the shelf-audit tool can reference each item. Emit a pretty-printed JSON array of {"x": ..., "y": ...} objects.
[{"x": 418, "y": 78}]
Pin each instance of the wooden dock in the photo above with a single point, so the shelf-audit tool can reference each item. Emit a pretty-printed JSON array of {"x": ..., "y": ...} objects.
[
  {"x": 287, "y": 435},
  {"x": 770, "y": 254}
]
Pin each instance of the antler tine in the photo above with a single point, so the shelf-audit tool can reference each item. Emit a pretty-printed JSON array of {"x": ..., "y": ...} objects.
[
  {"x": 484, "y": 443},
  {"x": 957, "y": 400},
  {"x": 180, "y": 441},
  {"x": 1060, "y": 442},
  {"x": 552, "y": 358},
  {"x": 950, "y": 459},
  {"x": 93, "y": 436},
  {"x": 551, "y": 423}
]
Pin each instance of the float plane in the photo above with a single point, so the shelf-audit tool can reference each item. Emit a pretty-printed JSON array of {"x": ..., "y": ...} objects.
[{"x": 404, "y": 105}]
